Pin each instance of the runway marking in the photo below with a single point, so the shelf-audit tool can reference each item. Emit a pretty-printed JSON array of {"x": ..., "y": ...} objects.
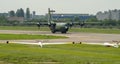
[{"x": 42, "y": 43}]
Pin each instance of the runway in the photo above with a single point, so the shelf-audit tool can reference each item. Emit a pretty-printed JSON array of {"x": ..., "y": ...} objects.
[{"x": 73, "y": 36}]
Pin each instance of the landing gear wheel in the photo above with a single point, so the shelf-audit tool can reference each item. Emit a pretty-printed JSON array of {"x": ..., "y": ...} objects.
[
  {"x": 53, "y": 31},
  {"x": 63, "y": 31}
]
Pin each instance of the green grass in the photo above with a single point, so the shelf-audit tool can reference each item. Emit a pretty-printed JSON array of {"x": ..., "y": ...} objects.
[
  {"x": 96, "y": 30},
  {"x": 29, "y": 28},
  {"x": 85, "y": 30},
  {"x": 58, "y": 54},
  {"x": 27, "y": 37}
]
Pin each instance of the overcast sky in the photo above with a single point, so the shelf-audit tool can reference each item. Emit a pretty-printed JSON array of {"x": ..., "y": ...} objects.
[{"x": 61, "y": 6}]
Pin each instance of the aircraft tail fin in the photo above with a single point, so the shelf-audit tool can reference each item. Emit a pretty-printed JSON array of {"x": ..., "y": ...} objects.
[{"x": 49, "y": 15}]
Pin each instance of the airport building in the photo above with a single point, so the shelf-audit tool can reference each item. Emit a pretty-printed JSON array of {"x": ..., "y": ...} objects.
[
  {"x": 82, "y": 17},
  {"x": 109, "y": 15}
]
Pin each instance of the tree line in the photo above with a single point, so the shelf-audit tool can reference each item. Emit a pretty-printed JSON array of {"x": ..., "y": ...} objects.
[
  {"x": 107, "y": 23},
  {"x": 20, "y": 13}
]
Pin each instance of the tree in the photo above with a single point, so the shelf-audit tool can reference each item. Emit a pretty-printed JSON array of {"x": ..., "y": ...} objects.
[
  {"x": 94, "y": 19},
  {"x": 76, "y": 19},
  {"x": 3, "y": 20},
  {"x": 11, "y": 13},
  {"x": 20, "y": 12},
  {"x": 27, "y": 13}
]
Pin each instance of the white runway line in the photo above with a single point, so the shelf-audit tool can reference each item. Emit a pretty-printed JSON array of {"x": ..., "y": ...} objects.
[{"x": 39, "y": 44}]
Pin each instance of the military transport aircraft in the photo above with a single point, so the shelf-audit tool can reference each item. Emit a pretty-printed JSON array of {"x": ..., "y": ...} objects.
[{"x": 62, "y": 27}]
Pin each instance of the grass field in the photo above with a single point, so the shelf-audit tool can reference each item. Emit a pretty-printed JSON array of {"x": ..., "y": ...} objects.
[
  {"x": 58, "y": 54},
  {"x": 87, "y": 30},
  {"x": 96, "y": 30},
  {"x": 33, "y": 28},
  {"x": 27, "y": 37}
]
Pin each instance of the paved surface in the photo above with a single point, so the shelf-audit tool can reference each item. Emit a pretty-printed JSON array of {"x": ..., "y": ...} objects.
[{"x": 73, "y": 36}]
